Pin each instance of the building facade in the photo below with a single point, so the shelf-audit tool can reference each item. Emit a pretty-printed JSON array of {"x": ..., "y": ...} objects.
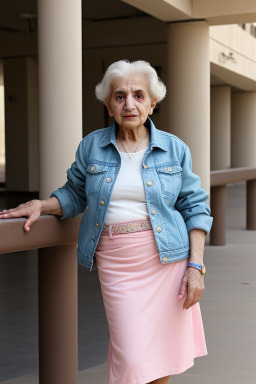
[{"x": 54, "y": 53}]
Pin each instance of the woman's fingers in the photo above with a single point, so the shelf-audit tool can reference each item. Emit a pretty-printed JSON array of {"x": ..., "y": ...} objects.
[
  {"x": 28, "y": 224},
  {"x": 15, "y": 212},
  {"x": 183, "y": 287},
  {"x": 195, "y": 288},
  {"x": 196, "y": 299},
  {"x": 31, "y": 210},
  {"x": 189, "y": 299}
]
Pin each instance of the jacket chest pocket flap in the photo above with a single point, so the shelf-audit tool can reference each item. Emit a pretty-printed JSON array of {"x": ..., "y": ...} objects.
[
  {"x": 170, "y": 177},
  {"x": 94, "y": 177}
]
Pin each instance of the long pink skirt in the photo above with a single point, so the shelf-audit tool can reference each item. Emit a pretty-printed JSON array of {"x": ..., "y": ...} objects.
[{"x": 151, "y": 335}]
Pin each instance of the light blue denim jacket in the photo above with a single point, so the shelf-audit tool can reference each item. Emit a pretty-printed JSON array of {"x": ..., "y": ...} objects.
[{"x": 175, "y": 194}]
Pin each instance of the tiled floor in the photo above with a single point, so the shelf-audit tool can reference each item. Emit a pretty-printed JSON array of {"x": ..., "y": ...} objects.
[{"x": 228, "y": 308}]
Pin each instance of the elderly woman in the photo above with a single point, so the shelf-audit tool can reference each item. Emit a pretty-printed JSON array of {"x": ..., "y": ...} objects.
[{"x": 144, "y": 220}]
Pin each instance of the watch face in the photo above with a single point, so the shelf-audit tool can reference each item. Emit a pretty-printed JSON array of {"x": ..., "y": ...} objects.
[{"x": 203, "y": 270}]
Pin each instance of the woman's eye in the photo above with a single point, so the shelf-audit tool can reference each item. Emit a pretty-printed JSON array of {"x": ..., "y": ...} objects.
[
  {"x": 119, "y": 97},
  {"x": 138, "y": 95}
]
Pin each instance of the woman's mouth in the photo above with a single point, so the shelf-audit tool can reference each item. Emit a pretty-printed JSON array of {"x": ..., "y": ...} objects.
[{"x": 129, "y": 116}]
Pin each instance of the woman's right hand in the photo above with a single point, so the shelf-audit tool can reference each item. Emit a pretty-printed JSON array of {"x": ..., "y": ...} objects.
[{"x": 32, "y": 210}]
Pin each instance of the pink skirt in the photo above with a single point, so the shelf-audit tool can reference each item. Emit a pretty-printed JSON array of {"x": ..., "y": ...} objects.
[{"x": 151, "y": 335}]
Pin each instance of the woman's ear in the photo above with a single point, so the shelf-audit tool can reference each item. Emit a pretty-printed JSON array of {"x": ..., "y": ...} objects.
[
  {"x": 153, "y": 104},
  {"x": 107, "y": 103}
]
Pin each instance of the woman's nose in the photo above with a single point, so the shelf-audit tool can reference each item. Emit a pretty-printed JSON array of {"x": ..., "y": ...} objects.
[{"x": 129, "y": 104}]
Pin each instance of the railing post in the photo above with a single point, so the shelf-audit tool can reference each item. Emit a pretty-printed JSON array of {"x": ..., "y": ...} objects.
[
  {"x": 218, "y": 211},
  {"x": 251, "y": 204},
  {"x": 58, "y": 339}
]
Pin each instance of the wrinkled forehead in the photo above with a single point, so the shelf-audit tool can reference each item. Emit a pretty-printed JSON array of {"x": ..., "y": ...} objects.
[{"x": 129, "y": 84}]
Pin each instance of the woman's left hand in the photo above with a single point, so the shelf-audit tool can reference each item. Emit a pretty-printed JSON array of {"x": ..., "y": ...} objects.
[{"x": 192, "y": 287}]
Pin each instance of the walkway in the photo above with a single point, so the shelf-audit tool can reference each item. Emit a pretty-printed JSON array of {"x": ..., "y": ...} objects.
[{"x": 228, "y": 308}]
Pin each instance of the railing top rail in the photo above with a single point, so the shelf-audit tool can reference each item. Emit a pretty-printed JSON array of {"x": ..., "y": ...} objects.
[
  {"x": 233, "y": 175},
  {"x": 51, "y": 231},
  {"x": 46, "y": 232}
]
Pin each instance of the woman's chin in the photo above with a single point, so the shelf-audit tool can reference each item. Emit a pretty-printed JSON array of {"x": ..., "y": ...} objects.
[{"x": 131, "y": 123}]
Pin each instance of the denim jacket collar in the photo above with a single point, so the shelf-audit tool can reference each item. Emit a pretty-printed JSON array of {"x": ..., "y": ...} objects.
[{"x": 156, "y": 140}]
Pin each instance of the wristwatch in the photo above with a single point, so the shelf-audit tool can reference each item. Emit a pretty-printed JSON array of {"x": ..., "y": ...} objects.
[{"x": 201, "y": 267}]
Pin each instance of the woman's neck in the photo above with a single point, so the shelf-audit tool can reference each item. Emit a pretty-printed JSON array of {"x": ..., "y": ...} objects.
[{"x": 131, "y": 138}]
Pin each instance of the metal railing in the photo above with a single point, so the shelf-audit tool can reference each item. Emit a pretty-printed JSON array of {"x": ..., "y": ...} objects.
[
  {"x": 219, "y": 181},
  {"x": 57, "y": 279}
]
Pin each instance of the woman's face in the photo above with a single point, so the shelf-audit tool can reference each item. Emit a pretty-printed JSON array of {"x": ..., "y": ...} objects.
[{"x": 130, "y": 102}]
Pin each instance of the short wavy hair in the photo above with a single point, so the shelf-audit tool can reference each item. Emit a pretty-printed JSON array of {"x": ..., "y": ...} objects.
[{"x": 123, "y": 68}]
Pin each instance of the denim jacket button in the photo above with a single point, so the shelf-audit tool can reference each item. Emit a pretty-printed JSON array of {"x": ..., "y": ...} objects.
[
  {"x": 108, "y": 180},
  {"x": 102, "y": 203},
  {"x": 165, "y": 259},
  {"x": 159, "y": 229},
  {"x": 149, "y": 183},
  {"x": 145, "y": 166},
  {"x": 93, "y": 168},
  {"x": 153, "y": 211},
  {"x": 169, "y": 169},
  {"x": 97, "y": 225}
]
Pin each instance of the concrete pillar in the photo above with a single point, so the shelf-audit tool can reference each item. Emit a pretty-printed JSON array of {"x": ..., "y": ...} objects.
[
  {"x": 243, "y": 129},
  {"x": 189, "y": 91},
  {"x": 220, "y": 127},
  {"x": 60, "y": 126},
  {"x": 60, "y": 89},
  {"x": 58, "y": 329}
]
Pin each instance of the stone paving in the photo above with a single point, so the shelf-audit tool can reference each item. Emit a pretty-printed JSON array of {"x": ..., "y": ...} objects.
[{"x": 228, "y": 309}]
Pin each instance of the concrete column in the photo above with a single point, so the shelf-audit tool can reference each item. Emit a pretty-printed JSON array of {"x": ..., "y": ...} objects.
[
  {"x": 60, "y": 89},
  {"x": 189, "y": 91},
  {"x": 60, "y": 126},
  {"x": 58, "y": 347},
  {"x": 243, "y": 129},
  {"x": 220, "y": 127}
]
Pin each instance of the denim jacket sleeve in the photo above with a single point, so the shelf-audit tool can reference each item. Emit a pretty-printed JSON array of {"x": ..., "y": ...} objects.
[
  {"x": 191, "y": 202},
  {"x": 72, "y": 196}
]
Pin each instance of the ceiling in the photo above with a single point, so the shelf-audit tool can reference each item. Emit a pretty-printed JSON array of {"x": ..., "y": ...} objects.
[{"x": 11, "y": 11}]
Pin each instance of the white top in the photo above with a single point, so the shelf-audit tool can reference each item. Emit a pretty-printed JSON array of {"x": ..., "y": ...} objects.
[{"x": 128, "y": 200}]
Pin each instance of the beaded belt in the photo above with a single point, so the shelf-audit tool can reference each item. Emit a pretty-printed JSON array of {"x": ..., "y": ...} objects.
[{"x": 127, "y": 228}]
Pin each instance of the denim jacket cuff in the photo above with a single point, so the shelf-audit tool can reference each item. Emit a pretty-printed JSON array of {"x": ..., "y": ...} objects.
[
  {"x": 200, "y": 221},
  {"x": 64, "y": 201}
]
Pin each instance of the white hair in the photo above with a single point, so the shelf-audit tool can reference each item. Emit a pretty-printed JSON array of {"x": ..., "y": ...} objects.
[{"x": 123, "y": 68}]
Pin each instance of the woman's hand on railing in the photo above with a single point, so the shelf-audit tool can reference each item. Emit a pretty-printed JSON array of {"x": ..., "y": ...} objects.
[{"x": 32, "y": 210}]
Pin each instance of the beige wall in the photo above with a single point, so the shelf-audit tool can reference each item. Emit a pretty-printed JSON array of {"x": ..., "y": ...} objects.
[
  {"x": 17, "y": 44},
  {"x": 20, "y": 77},
  {"x": 2, "y": 127},
  {"x": 32, "y": 112},
  {"x": 243, "y": 129},
  {"x": 220, "y": 127},
  {"x": 213, "y": 11},
  {"x": 97, "y": 60},
  {"x": 101, "y": 46},
  {"x": 241, "y": 71}
]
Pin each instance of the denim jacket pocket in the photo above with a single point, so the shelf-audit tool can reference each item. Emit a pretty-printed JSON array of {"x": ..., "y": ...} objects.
[
  {"x": 94, "y": 176},
  {"x": 170, "y": 177}
]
